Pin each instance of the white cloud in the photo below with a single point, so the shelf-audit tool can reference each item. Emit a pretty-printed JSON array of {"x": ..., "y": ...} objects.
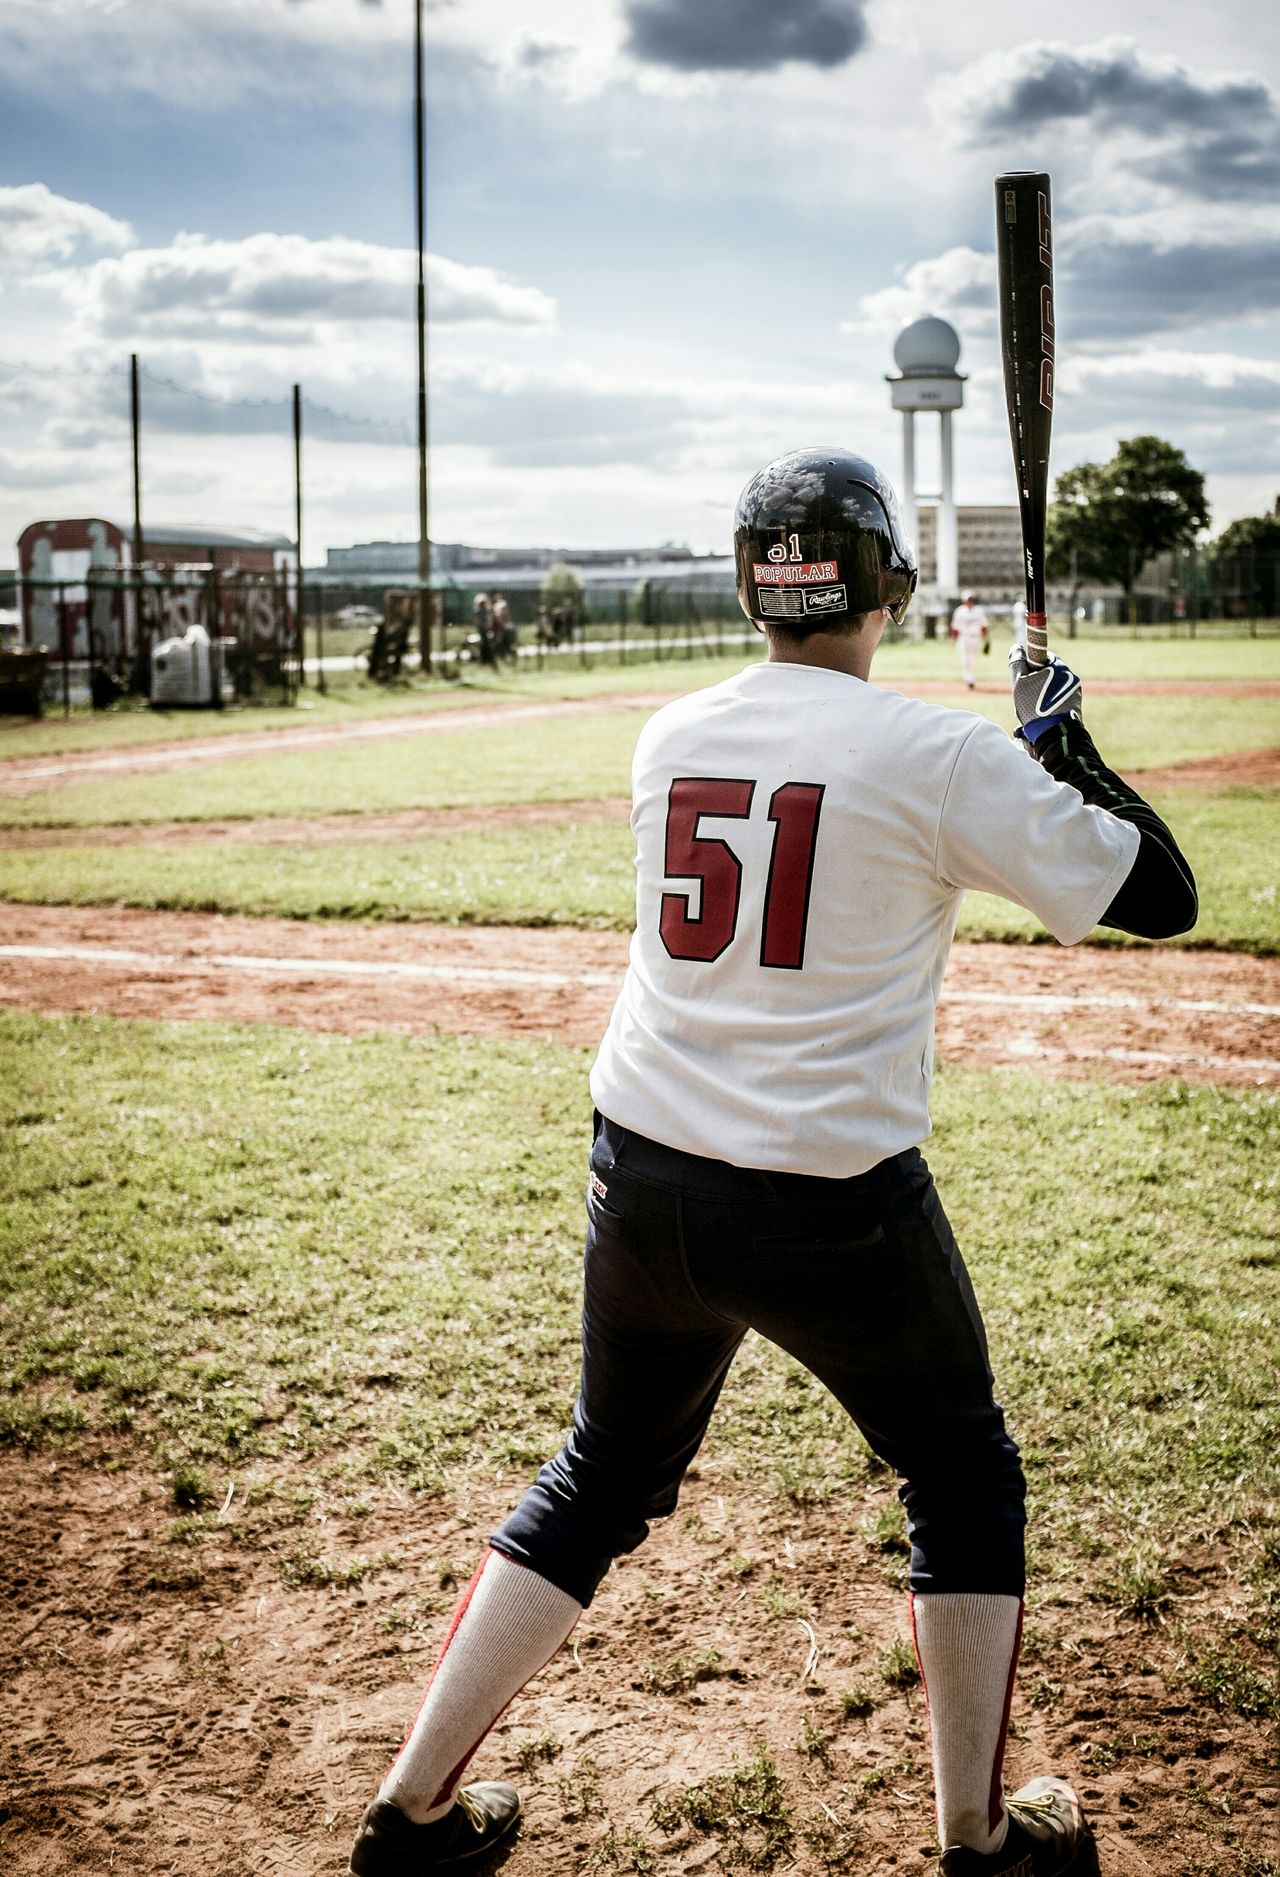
[
  {"x": 958, "y": 285},
  {"x": 1218, "y": 133},
  {"x": 1119, "y": 278},
  {"x": 202, "y": 54},
  {"x": 37, "y": 225},
  {"x": 38, "y": 471},
  {"x": 277, "y": 289}
]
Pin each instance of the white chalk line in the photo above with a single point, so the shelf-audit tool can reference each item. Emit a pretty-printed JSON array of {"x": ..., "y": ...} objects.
[
  {"x": 1023, "y": 1048},
  {"x": 1107, "y": 1000},
  {"x": 514, "y": 976}
]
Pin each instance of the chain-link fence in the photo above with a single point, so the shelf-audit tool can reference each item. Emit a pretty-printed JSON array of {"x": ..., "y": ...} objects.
[
  {"x": 1195, "y": 589},
  {"x": 379, "y": 631},
  {"x": 356, "y": 628}
]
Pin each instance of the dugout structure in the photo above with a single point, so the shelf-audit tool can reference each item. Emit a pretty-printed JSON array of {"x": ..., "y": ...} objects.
[
  {"x": 99, "y": 616},
  {"x": 99, "y": 633}
]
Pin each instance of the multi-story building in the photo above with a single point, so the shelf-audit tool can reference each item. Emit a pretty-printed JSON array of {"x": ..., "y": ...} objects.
[
  {"x": 375, "y": 560},
  {"x": 990, "y": 544}
]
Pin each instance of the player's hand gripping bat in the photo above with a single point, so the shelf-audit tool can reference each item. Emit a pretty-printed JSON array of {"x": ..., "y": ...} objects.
[{"x": 1024, "y": 265}]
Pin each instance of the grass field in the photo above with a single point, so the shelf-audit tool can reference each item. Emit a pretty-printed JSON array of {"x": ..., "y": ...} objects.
[
  {"x": 581, "y": 875},
  {"x": 224, "y": 1245},
  {"x": 550, "y": 761},
  {"x": 578, "y": 875},
  {"x": 336, "y": 1279},
  {"x": 350, "y": 696}
]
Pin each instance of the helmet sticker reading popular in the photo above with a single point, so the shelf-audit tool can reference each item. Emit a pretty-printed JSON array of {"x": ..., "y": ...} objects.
[{"x": 804, "y": 573}]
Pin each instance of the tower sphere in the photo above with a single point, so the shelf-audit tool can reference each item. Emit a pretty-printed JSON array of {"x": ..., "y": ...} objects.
[{"x": 928, "y": 348}]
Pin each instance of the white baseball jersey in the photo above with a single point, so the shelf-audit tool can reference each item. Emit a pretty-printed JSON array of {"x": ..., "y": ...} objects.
[
  {"x": 969, "y": 622},
  {"x": 803, "y": 840}
]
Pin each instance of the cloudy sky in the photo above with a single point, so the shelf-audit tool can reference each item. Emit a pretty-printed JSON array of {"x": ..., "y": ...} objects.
[{"x": 669, "y": 239}]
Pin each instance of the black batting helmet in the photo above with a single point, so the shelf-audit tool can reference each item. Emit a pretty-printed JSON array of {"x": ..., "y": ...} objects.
[{"x": 818, "y": 541}]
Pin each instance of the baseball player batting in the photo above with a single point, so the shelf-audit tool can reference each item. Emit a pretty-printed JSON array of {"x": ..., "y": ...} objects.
[{"x": 803, "y": 840}]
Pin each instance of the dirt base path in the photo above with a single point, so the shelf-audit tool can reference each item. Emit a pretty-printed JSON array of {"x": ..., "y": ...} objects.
[
  {"x": 185, "y": 1710},
  {"x": 1133, "y": 1015},
  {"x": 29, "y": 775}
]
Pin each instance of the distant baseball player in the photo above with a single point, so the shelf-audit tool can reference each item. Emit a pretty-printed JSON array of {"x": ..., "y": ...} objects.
[
  {"x": 803, "y": 840},
  {"x": 971, "y": 630},
  {"x": 1018, "y": 619}
]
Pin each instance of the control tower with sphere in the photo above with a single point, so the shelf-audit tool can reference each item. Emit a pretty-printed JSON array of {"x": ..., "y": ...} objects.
[{"x": 926, "y": 354}]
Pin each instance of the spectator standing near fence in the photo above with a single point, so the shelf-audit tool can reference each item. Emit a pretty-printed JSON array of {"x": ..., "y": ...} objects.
[
  {"x": 504, "y": 632},
  {"x": 971, "y": 632}
]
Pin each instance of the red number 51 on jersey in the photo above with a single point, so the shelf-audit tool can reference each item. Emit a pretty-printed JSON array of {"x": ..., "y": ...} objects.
[{"x": 794, "y": 810}]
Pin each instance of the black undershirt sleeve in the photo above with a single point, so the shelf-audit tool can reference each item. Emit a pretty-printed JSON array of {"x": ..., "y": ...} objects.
[{"x": 1158, "y": 899}]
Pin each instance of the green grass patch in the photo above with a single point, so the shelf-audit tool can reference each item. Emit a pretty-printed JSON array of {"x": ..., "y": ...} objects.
[
  {"x": 1232, "y": 1682},
  {"x": 582, "y": 875},
  {"x": 746, "y": 1808},
  {"x": 133, "y": 724},
  {"x": 559, "y": 760},
  {"x": 548, "y": 875},
  {"x": 350, "y": 699},
  {"x": 230, "y": 1250},
  {"x": 1228, "y": 835},
  {"x": 554, "y": 760},
  {"x": 1111, "y": 654},
  {"x": 1135, "y": 733}
]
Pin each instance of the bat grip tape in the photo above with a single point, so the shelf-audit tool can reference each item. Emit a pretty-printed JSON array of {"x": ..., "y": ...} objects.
[{"x": 1037, "y": 638}]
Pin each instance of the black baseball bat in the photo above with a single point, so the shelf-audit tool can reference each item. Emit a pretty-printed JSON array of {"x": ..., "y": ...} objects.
[{"x": 1024, "y": 269}]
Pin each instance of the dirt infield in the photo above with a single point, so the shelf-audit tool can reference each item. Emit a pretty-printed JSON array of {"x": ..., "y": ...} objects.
[
  {"x": 1132, "y": 1014},
  {"x": 191, "y": 1713},
  {"x": 30, "y": 775}
]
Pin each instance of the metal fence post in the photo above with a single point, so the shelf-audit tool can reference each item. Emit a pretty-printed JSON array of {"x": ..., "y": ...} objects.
[
  {"x": 66, "y": 651},
  {"x": 214, "y": 602}
]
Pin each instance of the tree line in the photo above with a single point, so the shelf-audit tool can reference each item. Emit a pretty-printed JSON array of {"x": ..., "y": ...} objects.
[{"x": 1108, "y": 520}]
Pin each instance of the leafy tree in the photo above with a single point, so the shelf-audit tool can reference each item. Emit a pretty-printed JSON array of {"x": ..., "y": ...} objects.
[
  {"x": 1252, "y": 534},
  {"x": 1118, "y": 515},
  {"x": 562, "y": 587}
]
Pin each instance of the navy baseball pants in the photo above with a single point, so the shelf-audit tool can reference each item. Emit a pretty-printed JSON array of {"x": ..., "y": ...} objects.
[{"x": 859, "y": 1279}]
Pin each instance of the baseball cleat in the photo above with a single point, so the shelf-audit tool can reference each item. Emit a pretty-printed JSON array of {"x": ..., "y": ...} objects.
[
  {"x": 1047, "y": 1837},
  {"x": 391, "y": 1845}
]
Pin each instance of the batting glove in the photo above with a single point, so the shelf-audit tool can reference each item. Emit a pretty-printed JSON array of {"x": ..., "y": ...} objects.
[{"x": 1042, "y": 694}]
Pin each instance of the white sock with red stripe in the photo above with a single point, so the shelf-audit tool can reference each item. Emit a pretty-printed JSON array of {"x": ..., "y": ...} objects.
[
  {"x": 968, "y": 1651},
  {"x": 508, "y": 1625}
]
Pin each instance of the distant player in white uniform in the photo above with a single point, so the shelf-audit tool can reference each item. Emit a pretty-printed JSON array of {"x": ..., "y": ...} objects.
[
  {"x": 970, "y": 629},
  {"x": 1019, "y": 621},
  {"x": 803, "y": 841}
]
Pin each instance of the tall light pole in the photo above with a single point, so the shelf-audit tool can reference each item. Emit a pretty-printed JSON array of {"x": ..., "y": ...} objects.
[
  {"x": 142, "y": 678},
  {"x": 420, "y": 206}
]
